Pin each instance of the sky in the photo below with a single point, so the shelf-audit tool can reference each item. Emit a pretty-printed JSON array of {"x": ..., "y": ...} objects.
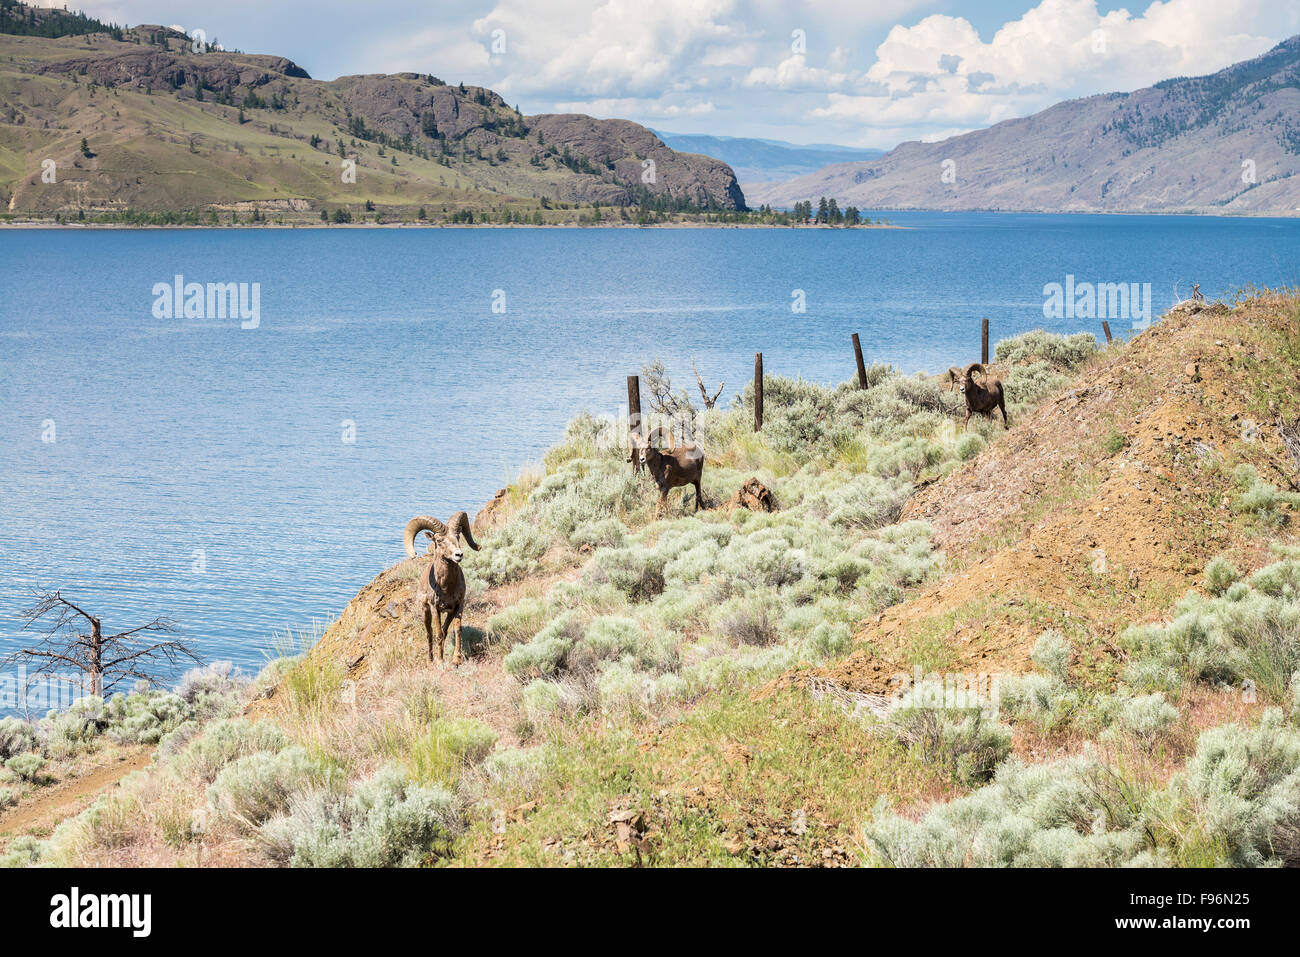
[{"x": 867, "y": 73}]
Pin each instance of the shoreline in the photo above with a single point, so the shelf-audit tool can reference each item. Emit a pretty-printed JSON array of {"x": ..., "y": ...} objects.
[
  {"x": 80, "y": 225},
  {"x": 1209, "y": 214}
]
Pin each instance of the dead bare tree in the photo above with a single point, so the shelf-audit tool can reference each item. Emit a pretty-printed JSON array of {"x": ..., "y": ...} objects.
[
  {"x": 674, "y": 407},
  {"x": 103, "y": 661},
  {"x": 709, "y": 401}
]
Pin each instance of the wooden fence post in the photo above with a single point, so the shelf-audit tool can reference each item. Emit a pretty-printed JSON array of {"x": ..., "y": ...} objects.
[
  {"x": 633, "y": 415},
  {"x": 758, "y": 391},
  {"x": 1105, "y": 327},
  {"x": 862, "y": 369},
  {"x": 634, "y": 404},
  {"x": 984, "y": 342}
]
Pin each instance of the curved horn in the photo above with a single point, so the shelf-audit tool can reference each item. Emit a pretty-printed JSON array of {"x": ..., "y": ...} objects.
[
  {"x": 459, "y": 523},
  {"x": 421, "y": 523},
  {"x": 974, "y": 367},
  {"x": 953, "y": 375}
]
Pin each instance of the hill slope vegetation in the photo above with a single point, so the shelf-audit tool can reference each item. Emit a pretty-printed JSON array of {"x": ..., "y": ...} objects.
[
  {"x": 145, "y": 119},
  {"x": 1074, "y": 642}
]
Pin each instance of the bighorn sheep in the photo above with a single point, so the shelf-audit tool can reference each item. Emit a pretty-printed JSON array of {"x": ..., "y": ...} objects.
[
  {"x": 982, "y": 397},
  {"x": 672, "y": 468},
  {"x": 441, "y": 586}
]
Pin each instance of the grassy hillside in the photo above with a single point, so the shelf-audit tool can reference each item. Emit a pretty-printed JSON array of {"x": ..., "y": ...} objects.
[
  {"x": 172, "y": 133},
  {"x": 1102, "y": 605}
]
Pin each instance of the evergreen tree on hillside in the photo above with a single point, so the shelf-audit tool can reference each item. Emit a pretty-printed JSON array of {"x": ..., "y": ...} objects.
[{"x": 23, "y": 20}]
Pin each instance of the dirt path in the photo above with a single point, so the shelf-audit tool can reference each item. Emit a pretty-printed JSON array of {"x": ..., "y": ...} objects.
[{"x": 70, "y": 796}]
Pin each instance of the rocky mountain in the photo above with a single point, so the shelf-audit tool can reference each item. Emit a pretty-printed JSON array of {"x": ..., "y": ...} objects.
[
  {"x": 763, "y": 160},
  {"x": 1228, "y": 142},
  {"x": 143, "y": 118}
]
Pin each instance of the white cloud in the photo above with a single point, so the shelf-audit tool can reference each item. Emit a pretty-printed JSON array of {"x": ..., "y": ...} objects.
[
  {"x": 869, "y": 71},
  {"x": 624, "y": 107},
  {"x": 794, "y": 73},
  {"x": 940, "y": 71}
]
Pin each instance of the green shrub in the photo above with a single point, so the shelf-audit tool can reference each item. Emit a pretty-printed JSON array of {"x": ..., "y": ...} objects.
[
  {"x": 16, "y": 736},
  {"x": 1237, "y": 802},
  {"x": 1040, "y": 699},
  {"x": 1220, "y": 575},
  {"x": 1260, "y": 499},
  {"x": 541, "y": 700},
  {"x": 951, "y": 733},
  {"x": 969, "y": 446},
  {"x": 603, "y": 533},
  {"x": 75, "y": 730},
  {"x": 635, "y": 571},
  {"x": 22, "y": 851},
  {"x": 252, "y": 789},
  {"x": 387, "y": 821},
  {"x": 27, "y": 766},
  {"x": 519, "y": 769},
  {"x": 225, "y": 741},
  {"x": 1027, "y": 385},
  {"x": 1147, "y": 716},
  {"x": 747, "y": 620},
  {"x": 865, "y": 502},
  {"x": 607, "y": 637},
  {"x": 547, "y": 652},
  {"x": 1244, "y": 789},
  {"x": 212, "y": 690},
  {"x": 8, "y": 796},
  {"x": 512, "y": 552},
  {"x": 1066, "y": 814},
  {"x": 520, "y": 621},
  {"x": 1064, "y": 352},
  {"x": 828, "y": 640},
  {"x": 1052, "y": 653},
  {"x": 1249, "y": 633},
  {"x": 144, "y": 717},
  {"x": 450, "y": 746}
]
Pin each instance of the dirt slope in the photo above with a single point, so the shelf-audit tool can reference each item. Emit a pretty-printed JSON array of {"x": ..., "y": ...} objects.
[
  {"x": 1100, "y": 507},
  {"x": 48, "y": 806}
]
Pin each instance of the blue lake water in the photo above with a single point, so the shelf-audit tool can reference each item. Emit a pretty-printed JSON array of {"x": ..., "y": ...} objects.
[{"x": 179, "y": 436}]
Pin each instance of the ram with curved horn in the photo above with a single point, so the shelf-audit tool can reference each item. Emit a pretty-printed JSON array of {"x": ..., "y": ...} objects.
[
  {"x": 981, "y": 396},
  {"x": 440, "y": 588},
  {"x": 672, "y": 467}
]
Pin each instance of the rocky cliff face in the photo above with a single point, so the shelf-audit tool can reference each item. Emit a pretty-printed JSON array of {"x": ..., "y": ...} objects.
[
  {"x": 1226, "y": 142},
  {"x": 639, "y": 159},
  {"x": 158, "y": 69},
  {"x": 605, "y": 159}
]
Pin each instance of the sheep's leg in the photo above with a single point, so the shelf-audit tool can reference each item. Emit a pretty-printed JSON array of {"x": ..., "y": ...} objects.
[
  {"x": 1006, "y": 423},
  {"x": 428, "y": 627},
  {"x": 442, "y": 633},
  {"x": 965, "y": 420},
  {"x": 698, "y": 493},
  {"x": 457, "y": 658}
]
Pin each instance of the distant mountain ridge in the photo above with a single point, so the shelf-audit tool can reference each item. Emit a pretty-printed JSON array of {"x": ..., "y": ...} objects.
[
  {"x": 756, "y": 160},
  {"x": 1225, "y": 142}
]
